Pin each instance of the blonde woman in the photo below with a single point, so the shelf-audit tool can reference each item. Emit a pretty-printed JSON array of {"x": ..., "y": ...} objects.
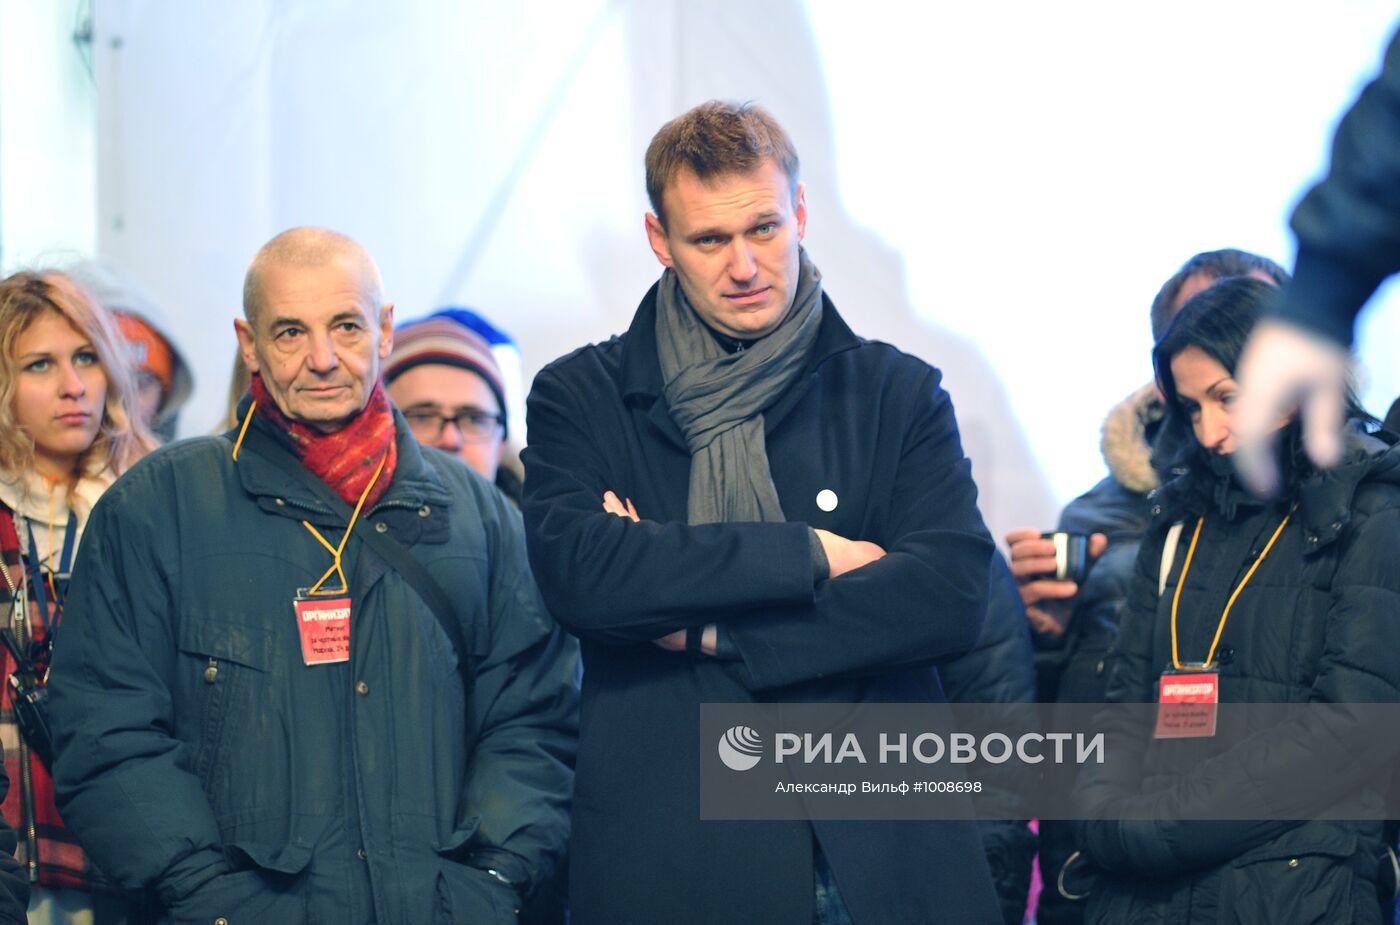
[{"x": 68, "y": 428}]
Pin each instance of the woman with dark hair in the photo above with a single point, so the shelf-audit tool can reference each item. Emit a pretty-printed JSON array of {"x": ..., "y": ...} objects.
[
  {"x": 1293, "y": 600},
  {"x": 68, "y": 428}
]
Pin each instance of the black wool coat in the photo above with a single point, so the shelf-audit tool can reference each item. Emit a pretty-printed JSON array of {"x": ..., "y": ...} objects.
[{"x": 865, "y": 421}]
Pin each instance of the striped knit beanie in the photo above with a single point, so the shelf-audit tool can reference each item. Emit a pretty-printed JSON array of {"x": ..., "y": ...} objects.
[{"x": 439, "y": 339}]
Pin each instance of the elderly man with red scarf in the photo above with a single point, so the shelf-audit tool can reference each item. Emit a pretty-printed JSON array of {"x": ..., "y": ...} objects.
[{"x": 306, "y": 675}]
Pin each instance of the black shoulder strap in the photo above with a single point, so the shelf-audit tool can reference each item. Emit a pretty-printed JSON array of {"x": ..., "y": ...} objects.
[{"x": 390, "y": 550}]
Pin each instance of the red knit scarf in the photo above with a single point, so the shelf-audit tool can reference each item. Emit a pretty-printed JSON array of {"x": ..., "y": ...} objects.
[{"x": 346, "y": 459}]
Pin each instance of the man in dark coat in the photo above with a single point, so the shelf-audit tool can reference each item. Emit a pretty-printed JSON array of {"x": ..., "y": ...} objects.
[
  {"x": 736, "y": 501},
  {"x": 445, "y": 379},
  {"x": 242, "y": 741}
]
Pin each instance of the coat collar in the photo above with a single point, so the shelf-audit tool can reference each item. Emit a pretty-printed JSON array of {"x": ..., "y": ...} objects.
[
  {"x": 1329, "y": 496},
  {"x": 415, "y": 481},
  {"x": 642, "y": 383},
  {"x": 1326, "y": 498}
]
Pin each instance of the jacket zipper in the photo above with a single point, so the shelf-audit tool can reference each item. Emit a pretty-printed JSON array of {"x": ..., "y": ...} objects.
[{"x": 31, "y": 832}]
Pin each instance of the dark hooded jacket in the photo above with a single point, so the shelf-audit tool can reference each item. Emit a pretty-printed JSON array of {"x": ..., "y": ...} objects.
[{"x": 1318, "y": 622}]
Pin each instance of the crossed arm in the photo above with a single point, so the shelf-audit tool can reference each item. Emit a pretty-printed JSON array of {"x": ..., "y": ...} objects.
[
  {"x": 616, "y": 580},
  {"x": 842, "y": 556}
]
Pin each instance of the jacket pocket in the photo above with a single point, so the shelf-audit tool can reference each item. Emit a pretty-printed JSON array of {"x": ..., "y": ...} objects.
[
  {"x": 289, "y": 859},
  {"x": 465, "y": 894},
  {"x": 220, "y": 661},
  {"x": 271, "y": 891},
  {"x": 1312, "y": 883}
]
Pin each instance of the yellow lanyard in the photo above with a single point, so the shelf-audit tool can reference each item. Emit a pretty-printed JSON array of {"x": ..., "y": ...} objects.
[
  {"x": 243, "y": 431},
  {"x": 1181, "y": 583},
  {"x": 335, "y": 568},
  {"x": 335, "y": 551}
]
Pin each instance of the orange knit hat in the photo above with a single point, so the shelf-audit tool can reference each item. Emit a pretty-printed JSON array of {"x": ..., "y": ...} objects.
[{"x": 148, "y": 349}]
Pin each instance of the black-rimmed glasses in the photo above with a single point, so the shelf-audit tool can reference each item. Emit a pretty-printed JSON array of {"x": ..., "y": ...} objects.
[{"x": 474, "y": 424}]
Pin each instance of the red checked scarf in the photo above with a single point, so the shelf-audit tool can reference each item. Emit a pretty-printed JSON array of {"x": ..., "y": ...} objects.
[
  {"x": 62, "y": 863},
  {"x": 346, "y": 459}
]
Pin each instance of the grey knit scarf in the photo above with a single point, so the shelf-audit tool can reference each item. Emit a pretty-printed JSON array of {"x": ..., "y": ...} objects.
[{"x": 717, "y": 399}]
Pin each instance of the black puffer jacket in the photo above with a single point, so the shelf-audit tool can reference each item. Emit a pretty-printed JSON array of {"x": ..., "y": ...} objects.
[{"x": 1318, "y": 622}]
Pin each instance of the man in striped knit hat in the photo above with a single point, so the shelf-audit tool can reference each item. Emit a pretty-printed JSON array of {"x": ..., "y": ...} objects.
[{"x": 445, "y": 379}]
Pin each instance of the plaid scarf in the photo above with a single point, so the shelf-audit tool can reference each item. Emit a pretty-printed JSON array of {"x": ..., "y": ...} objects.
[
  {"x": 62, "y": 863},
  {"x": 346, "y": 459}
]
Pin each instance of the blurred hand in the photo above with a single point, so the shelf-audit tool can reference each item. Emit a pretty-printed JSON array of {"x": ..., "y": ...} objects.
[
  {"x": 843, "y": 555},
  {"x": 1032, "y": 558},
  {"x": 1284, "y": 370}
]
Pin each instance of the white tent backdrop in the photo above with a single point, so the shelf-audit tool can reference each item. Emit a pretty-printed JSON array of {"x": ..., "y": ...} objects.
[{"x": 998, "y": 188}]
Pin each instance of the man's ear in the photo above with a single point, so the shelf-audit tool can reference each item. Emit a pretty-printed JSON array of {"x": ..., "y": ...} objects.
[
  {"x": 386, "y": 330},
  {"x": 799, "y": 210},
  {"x": 246, "y": 340},
  {"x": 656, "y": 235}
]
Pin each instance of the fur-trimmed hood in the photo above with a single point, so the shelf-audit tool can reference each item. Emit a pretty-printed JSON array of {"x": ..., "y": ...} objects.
[{"x": 1125, "y": 444}]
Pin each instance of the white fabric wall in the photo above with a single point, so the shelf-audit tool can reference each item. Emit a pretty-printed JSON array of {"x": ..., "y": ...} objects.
[
  {"x": 999, "y": 190},
  {"x": 48, "y": 135}
]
